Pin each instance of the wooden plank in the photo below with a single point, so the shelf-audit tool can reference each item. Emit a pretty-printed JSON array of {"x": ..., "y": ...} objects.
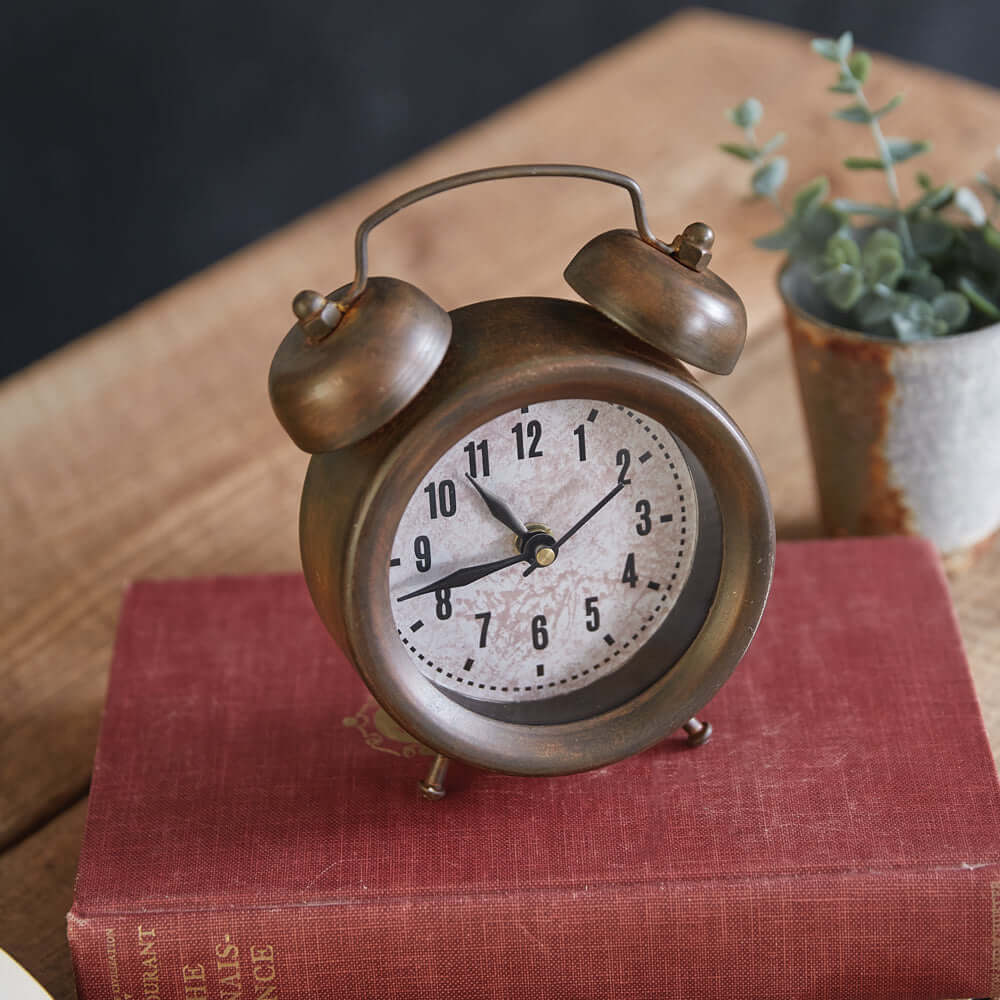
[
  {"x": 149, "y": 449},
  {"x": 36, "y": 877}
]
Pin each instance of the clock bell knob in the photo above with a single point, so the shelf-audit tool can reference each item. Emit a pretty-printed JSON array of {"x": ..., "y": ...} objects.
[
  {"x": 342, "y": 372},
  {"x": 664, "y": 295}
]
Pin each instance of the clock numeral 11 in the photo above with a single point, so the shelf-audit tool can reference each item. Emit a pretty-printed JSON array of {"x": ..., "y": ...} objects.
[{"x": 483, "y": 448}]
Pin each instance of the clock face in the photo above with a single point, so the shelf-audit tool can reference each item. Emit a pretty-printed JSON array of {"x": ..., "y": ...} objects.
[{"x": 610, "y": 516}]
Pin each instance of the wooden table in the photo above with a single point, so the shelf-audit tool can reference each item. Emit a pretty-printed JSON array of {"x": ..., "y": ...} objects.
[{"x": 149, "y": 448}]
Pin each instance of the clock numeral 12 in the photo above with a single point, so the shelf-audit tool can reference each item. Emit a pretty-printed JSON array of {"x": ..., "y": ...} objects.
[
  {"x": 534, "y": 436},
  {"x": 483, "y": 448}
]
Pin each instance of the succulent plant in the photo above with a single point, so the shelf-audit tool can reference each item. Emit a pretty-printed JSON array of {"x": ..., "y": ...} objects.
[{"x": 909, "y": 271}]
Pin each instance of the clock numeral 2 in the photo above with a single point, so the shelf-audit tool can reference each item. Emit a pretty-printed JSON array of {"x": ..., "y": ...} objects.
[
  {"x": 533, "y": 433},
  {"x": 624, "y": 459},
  {"x": 483, "y": 448},
  {"x": 441, "y": 497}
]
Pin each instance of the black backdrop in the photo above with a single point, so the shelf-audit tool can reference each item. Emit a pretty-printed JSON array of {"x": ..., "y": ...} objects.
[{"x": 143, "y": 140}]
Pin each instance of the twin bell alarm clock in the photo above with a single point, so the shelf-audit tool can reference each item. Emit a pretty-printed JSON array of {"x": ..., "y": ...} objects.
[{"x": 541, "y": 543}]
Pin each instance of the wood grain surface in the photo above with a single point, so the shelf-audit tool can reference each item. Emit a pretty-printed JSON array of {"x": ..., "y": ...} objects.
[{"x": 148, "y": 449}]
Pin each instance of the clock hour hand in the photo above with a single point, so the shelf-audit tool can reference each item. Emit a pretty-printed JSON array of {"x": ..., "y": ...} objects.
[
  {"x": 463, "y": 577},
  {"x": 499, "y": 509},
  {"x": 583, "y": 520}
]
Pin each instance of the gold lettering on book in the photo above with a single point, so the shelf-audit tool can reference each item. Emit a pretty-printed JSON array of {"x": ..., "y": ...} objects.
[
  {"x": 227, "y": 964},
  {"x": 195, "y": 985},
  {"x": 111, "y": 945},
  {"x": 265, "y": 986},
  {"x": 150, "y": 963},
  {"x": 995, "y": 941}
]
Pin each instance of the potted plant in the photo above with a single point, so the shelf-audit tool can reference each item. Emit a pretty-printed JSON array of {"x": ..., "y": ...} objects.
[{"x": 893, "y": 312}]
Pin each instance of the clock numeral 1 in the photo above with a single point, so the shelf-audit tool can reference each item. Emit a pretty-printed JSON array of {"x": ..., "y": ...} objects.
[
  {"x": 539, "y": 633},
  {"x": 629, "y": 574},
  {"x": 593, "y": 615},
  {"x": 643, "y": 508},
  {"x": 422, "y": 552},
  {"x": 483, "y": 448},
  {"x": 443, "y": 607},
  {"x": 533, "y": 433},
  {"x": 624, "y": 459},
  {"x": 442, "y": 497},
  {"x": 483, "y": 617},
  {"x": 580, "y": 433}
]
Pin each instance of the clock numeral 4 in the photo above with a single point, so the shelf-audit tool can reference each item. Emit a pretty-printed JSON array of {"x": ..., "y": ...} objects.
[
  {"x": 441, "y": 498},
  {"x": 629, "y": 574},
  {"x": 532, "y": 436},
  {"x": 480, "y": 460}
]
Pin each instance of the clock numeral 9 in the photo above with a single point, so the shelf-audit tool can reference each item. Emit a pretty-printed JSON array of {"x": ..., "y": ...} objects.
[
  {"x": 422, "y": 552},
  {"x": 593, "y": 615},
  {"x": 624, "y": 459},
  {"x": 443, "y": 607},
  {"x": 539, "y": 633},
  {"x": 629, "y": 574},
  {"x": 484, "y": 617},
  {"x": 643, "y": 508},
  {"x": 533, "y": 435},
  {"x": 441, "y": 497},
  {"x": 483, "y": 448}
]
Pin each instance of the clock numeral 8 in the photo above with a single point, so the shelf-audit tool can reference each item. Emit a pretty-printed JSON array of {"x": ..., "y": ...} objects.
[
  {"x": 539, "y": 633},
  {"x": 443, "y": 607}
]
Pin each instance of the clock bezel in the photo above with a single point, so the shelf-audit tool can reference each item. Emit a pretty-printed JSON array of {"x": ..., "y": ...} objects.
[{"x": 506, "y": 354}]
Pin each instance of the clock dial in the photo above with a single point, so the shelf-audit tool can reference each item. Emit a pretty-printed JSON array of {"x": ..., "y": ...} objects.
[{"x": 605, "y": 508}]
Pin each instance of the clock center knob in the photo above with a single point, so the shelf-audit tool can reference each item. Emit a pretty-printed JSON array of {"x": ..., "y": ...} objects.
[{"x": 539, "y": 545}]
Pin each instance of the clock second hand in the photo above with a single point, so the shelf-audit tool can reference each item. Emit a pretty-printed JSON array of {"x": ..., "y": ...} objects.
[{"x": 583, "y": 520}]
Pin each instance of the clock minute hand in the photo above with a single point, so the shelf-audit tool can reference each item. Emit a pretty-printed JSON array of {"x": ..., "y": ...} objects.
[
  {"x": 499, "y": 509},
  {"x": 463, "y": 577}
]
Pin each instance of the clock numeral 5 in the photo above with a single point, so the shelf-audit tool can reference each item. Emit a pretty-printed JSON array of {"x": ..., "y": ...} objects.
[{"x": 593, "y": 615}]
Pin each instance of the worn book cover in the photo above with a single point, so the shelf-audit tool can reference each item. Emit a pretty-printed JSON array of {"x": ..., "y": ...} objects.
[{"x": 255, "y": 829}]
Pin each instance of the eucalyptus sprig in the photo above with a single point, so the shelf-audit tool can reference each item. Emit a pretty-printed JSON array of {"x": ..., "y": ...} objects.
[{"x": 905, "y": 271}]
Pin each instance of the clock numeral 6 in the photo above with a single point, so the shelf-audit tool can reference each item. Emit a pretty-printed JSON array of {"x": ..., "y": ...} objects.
[
  {"x": 593, "y": 615},
  {"x": 539, "y": 633},
  {"x": 442, "y": 498},
  {"x": 422, "y": 552},
  {"x": 443, "y": 607}
]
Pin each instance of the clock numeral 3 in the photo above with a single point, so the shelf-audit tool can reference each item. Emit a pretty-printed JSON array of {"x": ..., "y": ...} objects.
[
  {"x": 533, "y": 434},
  {"x": 645, "y": 525},
  {"x": 442, "y": 498}
]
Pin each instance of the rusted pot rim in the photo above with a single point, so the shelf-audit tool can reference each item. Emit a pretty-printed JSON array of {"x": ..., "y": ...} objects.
[{"x": 869, "y": 338}]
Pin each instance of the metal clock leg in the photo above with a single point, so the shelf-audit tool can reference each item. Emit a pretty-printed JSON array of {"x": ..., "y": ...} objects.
[
  {"x": 432, "y": 787},
  {"x": 698, "y": 732}
]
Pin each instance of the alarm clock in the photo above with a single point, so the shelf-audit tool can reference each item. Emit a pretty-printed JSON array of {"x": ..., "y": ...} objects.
[{"x": 541, "y": 543}]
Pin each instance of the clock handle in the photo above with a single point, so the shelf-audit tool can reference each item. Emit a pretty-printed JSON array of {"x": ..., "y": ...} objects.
[{"x": 492, "y": 174}]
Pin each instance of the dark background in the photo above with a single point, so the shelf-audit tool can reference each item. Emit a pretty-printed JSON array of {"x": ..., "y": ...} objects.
[{"x": 143, "y": 140}]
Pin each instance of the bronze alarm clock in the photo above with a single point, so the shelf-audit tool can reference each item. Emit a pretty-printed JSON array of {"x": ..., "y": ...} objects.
[{"x": 541, "y": 543}]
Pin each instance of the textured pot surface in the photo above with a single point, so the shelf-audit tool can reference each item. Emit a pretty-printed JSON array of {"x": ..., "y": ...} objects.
[{"x": 905, "y": 436}]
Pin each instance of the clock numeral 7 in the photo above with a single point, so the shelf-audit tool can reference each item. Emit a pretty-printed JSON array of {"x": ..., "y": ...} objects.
[
  {"x": 483, "y": 448},
  {"x": 484, "y": 617}
]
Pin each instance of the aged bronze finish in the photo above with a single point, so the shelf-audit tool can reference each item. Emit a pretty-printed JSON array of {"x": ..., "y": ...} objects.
[
  {"x": 506, "y": 354},
  {"x": 378, "y": 382}
]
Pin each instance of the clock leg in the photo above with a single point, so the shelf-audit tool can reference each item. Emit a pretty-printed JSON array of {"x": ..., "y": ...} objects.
[
  {"x": 432, "y": 787},
  {"x": 698, "y": 732}
]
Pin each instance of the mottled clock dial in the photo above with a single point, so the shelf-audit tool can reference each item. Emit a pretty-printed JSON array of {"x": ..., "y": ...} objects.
[{"x": 609, "y": 513}]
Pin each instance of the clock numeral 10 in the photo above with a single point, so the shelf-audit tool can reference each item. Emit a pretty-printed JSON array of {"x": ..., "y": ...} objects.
[
  {"x": 441, "y": 497},
  {"x": 539, "y": 633},
  {"x": 533, "y": 434},
  {"x": 483, "y": 448}
]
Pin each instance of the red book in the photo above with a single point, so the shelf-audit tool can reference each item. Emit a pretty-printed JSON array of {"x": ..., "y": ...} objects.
[{"x": 255, "y": 829}]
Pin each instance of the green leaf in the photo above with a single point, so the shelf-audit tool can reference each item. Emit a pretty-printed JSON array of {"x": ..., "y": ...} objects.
[
  {"x": 991, "y": 236},
  {"x": 860, "y": 65},
  {"x": 863, "y": 208},
  {"x": 924, "y": 180},
  {"x": 924, "y": 285},
  {"x": 863, "y": 163},
  {"x": 736, "y": 149},
  {"x": 840, "y": 251},
  {"x": 845, "y": 85},
  {"x": 827, "y": 48},
  {"x": 819, "y": 225},
  {"x": 844, "y": 288},
  {"x": 881, "y": 239},
  {"x": 875, "y": 308},
  {"x": 781, "y": 239},
  {"x": 915, "y": 320},
  {"x": 933, "y": 199},
  {"x": 952, "y": 309},
  {"x": 977, "y": 297},
  {"x": 884, "y": 267},
  {"x": 747, "y": 113},
  {"x": 890, "y": 105},
  {"x": 854, "y": 113},
  {"x": 772, "y": 144},
  {"x": 844, "y": 45},
  {"x": 808, "y": 197},
  {"x": 904, "y": 149},
  {"x": 967, "y": 202},
  {"x": 931, "y": 236},
  {"x": 767, "y": 180}
]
